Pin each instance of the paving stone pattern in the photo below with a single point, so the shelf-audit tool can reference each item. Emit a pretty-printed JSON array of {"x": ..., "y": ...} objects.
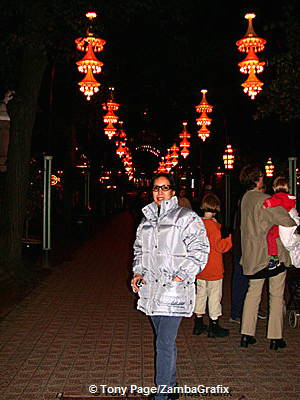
[{"x": 80, "y": 327}]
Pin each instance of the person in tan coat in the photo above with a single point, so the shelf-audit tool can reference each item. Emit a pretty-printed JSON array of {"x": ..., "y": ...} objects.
[{"x": 255, "y": 223}]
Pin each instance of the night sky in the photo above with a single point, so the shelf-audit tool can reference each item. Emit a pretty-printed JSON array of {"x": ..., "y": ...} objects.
[{"x": 158, "y": 62}]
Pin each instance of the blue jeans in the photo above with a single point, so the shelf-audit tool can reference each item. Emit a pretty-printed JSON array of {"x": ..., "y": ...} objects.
[
  {"x": 239, "y": 289},
  {"x": 166, "y": 329}
]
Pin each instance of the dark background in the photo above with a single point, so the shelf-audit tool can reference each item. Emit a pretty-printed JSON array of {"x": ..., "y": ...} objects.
[{"x": 158, "y": 58}]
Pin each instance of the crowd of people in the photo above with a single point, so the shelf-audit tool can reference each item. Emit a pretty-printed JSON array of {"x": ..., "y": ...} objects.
[{"x": 178, "y": 264}]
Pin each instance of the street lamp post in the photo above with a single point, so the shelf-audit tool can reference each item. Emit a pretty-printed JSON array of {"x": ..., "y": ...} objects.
[
  {"x": 47, "y": 210},
  {"x": 228, "y": 159},
  {"x": 293, "y": 175}
]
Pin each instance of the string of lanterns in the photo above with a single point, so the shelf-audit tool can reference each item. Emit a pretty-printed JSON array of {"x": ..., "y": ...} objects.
[
  {"x": 251, "y": 65},
  {"x": 91, "y": 65},
  {"x": 110, "y": 118},
  {"x": 123, "y": 151}
]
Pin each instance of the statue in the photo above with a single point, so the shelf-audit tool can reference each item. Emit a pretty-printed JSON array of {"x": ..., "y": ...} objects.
[
  {"x": 3, "y": 103},
  {"x": 4, "y": 129}
]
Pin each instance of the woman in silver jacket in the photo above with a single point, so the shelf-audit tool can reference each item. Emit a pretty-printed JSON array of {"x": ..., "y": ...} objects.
[{"x": 171, "y": 247}]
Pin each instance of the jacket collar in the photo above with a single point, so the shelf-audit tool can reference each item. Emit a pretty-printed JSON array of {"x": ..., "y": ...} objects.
[{"x": 151, "y": 210}]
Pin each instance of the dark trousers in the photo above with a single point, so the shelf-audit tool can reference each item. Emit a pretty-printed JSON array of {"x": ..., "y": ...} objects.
[{"x": 239, "y": 289}]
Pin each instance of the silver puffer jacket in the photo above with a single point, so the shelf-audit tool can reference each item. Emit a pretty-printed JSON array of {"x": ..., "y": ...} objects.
[{"x": 173, "y": 243}]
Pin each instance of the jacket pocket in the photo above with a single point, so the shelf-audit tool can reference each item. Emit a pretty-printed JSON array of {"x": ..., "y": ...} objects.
[{"x": 173, "y": 294}]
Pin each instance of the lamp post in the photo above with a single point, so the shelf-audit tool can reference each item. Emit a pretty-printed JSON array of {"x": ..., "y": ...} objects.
[
  {"x": 228, "y": 158},
  {"x": 84, "y": 166},
  {"x": 47, "y": 210},
  {"x": 293, "y": 175}
]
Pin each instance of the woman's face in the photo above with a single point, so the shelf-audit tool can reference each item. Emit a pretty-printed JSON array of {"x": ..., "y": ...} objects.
[{"x": 158, "y": 193}]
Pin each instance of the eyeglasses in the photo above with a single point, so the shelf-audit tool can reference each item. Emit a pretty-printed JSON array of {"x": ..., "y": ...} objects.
[{"x": 164, "y": 188}]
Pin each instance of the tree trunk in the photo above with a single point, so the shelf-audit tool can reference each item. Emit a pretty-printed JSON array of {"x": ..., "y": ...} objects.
[{"x": 22, "y": 110}]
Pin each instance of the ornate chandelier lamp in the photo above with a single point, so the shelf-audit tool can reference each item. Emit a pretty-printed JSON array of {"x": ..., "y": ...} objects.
[
  {"x": 174, "y": 155},
  {"x": 251, "y": 44},
  {"x": 184, "y": 144},
  {"x": 228, "y": 157},
  {"x": 204, "y": 119},
  {"x": 110, "y": 118},
  {"x": 269, "y": 168},
  {"x": 89, "y": 64}
]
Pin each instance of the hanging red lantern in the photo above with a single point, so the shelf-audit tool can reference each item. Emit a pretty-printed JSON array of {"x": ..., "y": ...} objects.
[
  {"x": 251, "y": 40},
  {"x": 96, "y": 43},
  {"x": 251, "y": 63},
  {"x": 203, "y": 133},
  {"x": 252, "y": 85},
  {"x": 89, "y": 61},
  {"x": 89, "y": 85}
]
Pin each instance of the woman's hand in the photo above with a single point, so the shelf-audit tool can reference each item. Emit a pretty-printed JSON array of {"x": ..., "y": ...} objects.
[{"x": 134, "y": 280}]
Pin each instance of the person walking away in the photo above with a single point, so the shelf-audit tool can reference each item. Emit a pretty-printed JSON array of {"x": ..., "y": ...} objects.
[
  {"x": 255, "y": 223},
  {"x": 171, "y": 247},
  {"x": 240, "y": 281},
  {"x": 239, "y": 285},
  {"x": 210, "y": 280}
]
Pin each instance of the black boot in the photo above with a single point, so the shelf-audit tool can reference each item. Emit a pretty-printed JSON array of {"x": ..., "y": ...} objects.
[
  {"x": 215, "y": 330},
  {"x": 277, "y": 343},
  {"x": 246, "y": 340},
  {"x": 199, "y": 326}
]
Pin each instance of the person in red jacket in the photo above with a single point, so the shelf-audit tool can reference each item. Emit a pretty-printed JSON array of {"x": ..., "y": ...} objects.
[
  {"x": 210, "y": 280},
  {"x": 282, "y": 198}
]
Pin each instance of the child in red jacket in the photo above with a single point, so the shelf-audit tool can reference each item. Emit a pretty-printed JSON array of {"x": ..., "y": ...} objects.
[
  {"x": 210, "y": 280},
  {"x": 282, "y": 198}
]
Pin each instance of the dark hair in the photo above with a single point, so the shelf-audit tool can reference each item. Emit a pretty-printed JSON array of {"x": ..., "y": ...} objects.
[
  {"x": 165, "y": 175},
  {"x": 250, "y": 175},
  {"x": 210, "y": 203},
  {"x": 281, "y": 184}
]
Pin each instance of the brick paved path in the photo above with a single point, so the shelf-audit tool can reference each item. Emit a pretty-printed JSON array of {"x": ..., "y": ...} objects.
[{"x": 80, "y": 327}]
